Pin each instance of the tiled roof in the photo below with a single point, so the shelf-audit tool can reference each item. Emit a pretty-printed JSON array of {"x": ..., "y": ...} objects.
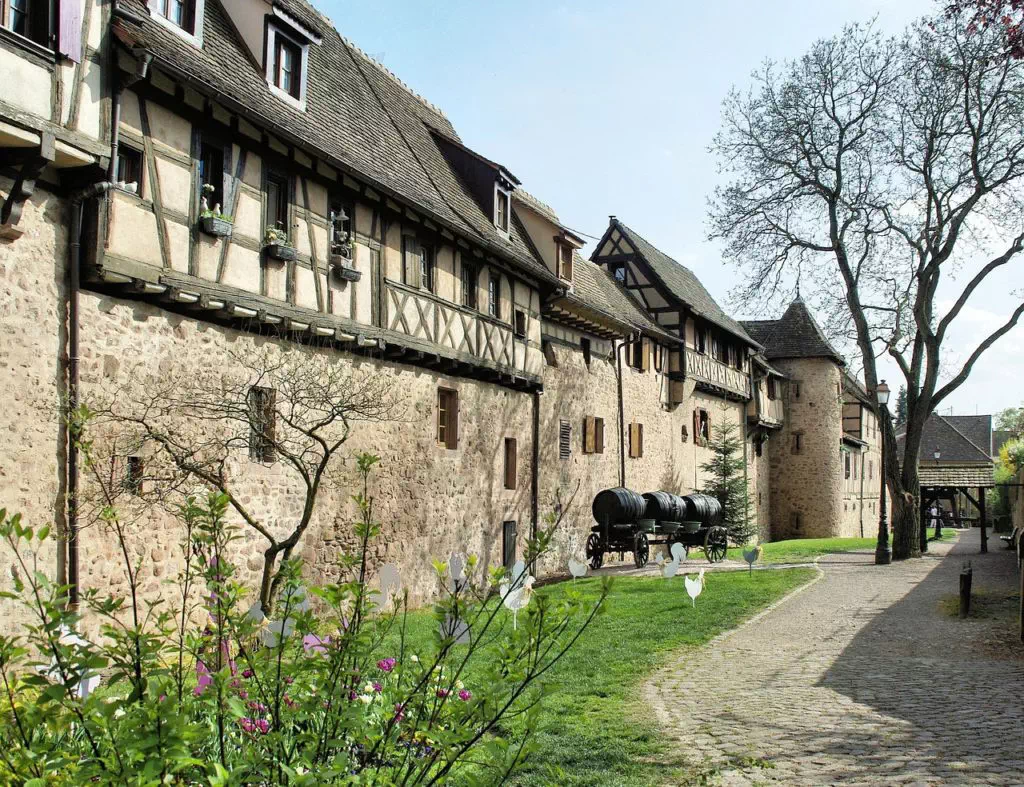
[
  {"x": 358, "y": 116},
  {"x": 682, "y": 282},
  {"x": 953, "y": 445},
  {"x": 794, "y": 335},
  {"x": 976, "y": 428},
  {"x": 593, "y": 286},
  {"x": 939, "y": 475}
]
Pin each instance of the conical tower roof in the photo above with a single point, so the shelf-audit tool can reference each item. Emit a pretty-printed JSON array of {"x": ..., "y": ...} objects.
[{"x": 794, "y": 335}]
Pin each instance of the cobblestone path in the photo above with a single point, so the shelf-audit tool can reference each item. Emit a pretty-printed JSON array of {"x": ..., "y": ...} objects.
[{"x": 859, "y": 679}]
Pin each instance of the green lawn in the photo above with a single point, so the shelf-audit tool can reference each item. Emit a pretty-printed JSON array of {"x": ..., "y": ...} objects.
[
  {"x": 948, "y": 534},
  {"x": 595, "y": 729},
  {"x": 804, "y": 550}
]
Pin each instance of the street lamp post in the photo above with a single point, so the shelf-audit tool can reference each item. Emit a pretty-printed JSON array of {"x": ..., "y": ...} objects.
[{"x": 883, "y": 554}]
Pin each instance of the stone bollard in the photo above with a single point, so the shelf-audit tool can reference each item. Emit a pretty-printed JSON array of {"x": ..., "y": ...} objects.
[{"x": 966, "y": 576}]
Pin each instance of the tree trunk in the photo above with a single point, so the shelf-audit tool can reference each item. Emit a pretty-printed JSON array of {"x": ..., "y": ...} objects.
[
  {"x": 905, "y": 526},
  {"x": 905, "y": 487}
]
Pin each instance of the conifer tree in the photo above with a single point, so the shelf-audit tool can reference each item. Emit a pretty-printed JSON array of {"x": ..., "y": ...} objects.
[
  {"x": 724, "y": 474},
  {"x": 901, "y": 406}
]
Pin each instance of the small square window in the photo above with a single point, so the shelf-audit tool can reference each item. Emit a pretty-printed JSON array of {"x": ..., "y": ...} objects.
[
  {"x": 585, "y": 347},
  {"x": 520, "y": 324},
  {"x": 447, "y": 418},
  {"x": 134, "y": 471},
  {"x": 129, "y": 166},
  {"x": 619, "y": 272}
]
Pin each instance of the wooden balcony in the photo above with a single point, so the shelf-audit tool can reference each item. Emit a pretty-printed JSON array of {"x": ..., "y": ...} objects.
[{"x": 717, "y": 375}]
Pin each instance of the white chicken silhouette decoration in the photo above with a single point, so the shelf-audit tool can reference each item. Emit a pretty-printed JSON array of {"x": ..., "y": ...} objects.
[
  {"x": 516, "y": 590},
  {"x": 670, "y": 567},
  {"x": 694, "y": 586},
  {"x": 751, "y": 556},
  {"x": 577, "y": 568}
]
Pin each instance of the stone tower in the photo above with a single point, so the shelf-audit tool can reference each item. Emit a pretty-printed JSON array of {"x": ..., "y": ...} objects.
[{"x": 805, "y": 458}]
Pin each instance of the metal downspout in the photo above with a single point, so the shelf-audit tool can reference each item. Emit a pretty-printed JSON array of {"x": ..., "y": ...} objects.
[{"x": 535, "y": 473}]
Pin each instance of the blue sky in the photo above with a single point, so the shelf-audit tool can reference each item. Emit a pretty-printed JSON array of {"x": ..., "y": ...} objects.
[{"x": 608, "y": 108}]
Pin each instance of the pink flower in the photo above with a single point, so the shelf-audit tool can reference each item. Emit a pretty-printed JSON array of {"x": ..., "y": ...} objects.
[
  {"x": 377, "y": 687},
  {"x": 203, "y": 678},
  {"x": 399, "y": 711},
  {"x": 259, "y": 707},
  {"x": 289, "y": 701},
  {"x": 263, "y": 726},
  {"x": 465, "y": 695},
  {"x": 442, "y": 693},
  {"x": 247, "y": 724},
  {"x": 247, "y": 673},
  {"x": 289, "y": 680},
  {"x": 243, "y": 694},
  {"x": 386, "y": 665},
  {"x": 311, "y": 643}
]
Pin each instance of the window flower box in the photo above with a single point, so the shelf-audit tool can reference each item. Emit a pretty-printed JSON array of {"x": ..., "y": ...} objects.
[
  {"x": 342, "y": 266},
  {"x": 217, "y": 226},
  {"x": 280, "y": 251}
]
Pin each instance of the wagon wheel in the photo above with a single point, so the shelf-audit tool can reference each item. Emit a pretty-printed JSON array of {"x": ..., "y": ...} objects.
[
  {"x": 641, "y": 550},
  {"x": 715, "y": 544},
  {"x": 595, "y": 551}
]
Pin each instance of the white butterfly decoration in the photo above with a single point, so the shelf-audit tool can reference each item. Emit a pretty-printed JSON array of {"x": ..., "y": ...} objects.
[
  {"x": 751, "y": 556},
  {"x": 670, "y": 567},
  {"x": 89, "y": 679},
  {"x": 390, "y": 585},
  {"x": 274, "y": 630},
  {"x": 454, "y": 627},
  {"x": 694, "y": 586},
  {"x": 516, "y": 591}
]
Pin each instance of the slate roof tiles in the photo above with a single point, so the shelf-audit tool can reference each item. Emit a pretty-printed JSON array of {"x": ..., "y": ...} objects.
[{"x": 794, "y": 335}]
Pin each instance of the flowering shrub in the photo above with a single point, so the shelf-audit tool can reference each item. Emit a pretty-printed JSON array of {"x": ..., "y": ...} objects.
[{"x": 208, "y": 690}]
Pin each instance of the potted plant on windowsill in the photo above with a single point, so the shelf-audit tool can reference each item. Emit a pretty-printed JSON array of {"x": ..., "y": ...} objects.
[
  {"x": 277, "y": 245},
  {"x": 341, "y": 258},
  {"x": 211, "y": 220}
]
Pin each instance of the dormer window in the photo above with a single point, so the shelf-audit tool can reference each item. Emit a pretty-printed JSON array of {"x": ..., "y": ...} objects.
[
  {"x": 287, "y": 59},
  {"x": 184, "y": 17},
  {"x": 565, "y": 262},
  {"x": 501, "y": 209}
]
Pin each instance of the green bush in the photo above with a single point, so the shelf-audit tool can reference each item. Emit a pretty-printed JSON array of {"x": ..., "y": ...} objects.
[{"x": 208, "y": 691}]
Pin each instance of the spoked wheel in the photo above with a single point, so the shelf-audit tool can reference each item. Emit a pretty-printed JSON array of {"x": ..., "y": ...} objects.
[
  {"x": 641, "y": 550},
  {"x": 715, "y": 544},
  {"x": 595, "y": 551}
]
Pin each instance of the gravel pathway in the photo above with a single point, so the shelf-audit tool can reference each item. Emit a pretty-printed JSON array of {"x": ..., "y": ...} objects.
[{"x": 860, "y": 678}]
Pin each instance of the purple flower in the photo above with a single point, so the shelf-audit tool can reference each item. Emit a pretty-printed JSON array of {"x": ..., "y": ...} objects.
[
  {"x": 377, "y": 687},
  {"x": 247, "y": 673},
  {"x": 288, "y": 679},
  {"x": 247, "y": 724},
  {"x": 352, "y": 695},
  {"x": 442, "y": 693},
  {"x": 314, "y": 644},
  {"x": 263, "y": 726},
  {"x": 259, "y": 707},
  {"x": 203, "y": 678},
  {"x": 399, "y": 711},
  {"x": 243, "y": 694},
  {"x": 386, "y": 665},
  {"x": 465, "y": 695},
  {"x": 289, "y": 701},
  {"x": 235, "y": 683}
]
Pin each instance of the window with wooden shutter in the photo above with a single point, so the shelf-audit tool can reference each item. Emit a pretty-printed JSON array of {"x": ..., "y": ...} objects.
[
  {"x": 565, "y": 262},
  {"x": 645, "y": 356},
  {"x": 599, "y": 435},
  {"x": 564, "y": 439},
  {"x": 468, "y": 284},
  {"x": 447, "y": 418},
  {"x": 519, "y": 327},
  {"x": 636, "y": 440},
  {"x": 262, "y": 424},
  {"x": 494, "y": 296},
  {"x": 636, "y": 354},
  {"x": 69, "y": 31},
  {"x": 510, "y": 463},
  {"x": 413, "y": 264},
  {"x": 589, "y": 434},
  {"x": 585, "y": 347}
]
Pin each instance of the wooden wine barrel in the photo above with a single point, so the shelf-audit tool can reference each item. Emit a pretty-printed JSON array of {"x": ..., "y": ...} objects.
[
  {"x": 703, "y": 508},
  {"x": 663, "y": 506},
  {"x": 618, "y": 506}
]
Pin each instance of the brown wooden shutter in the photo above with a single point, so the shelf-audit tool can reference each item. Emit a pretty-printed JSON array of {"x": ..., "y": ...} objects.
[
  {"x": 640, "y": 440},
  {"x": 69, "y": 31},
  {"x": 599, "y": 436},
  {"x": 709, "y": 426},
  {"x": 632, "y": 441},
  {"x": 511, "y": 471},
  {"x": 645, "y": 356},
  {"x": 589, "y": 438},
  {"x": 696, "y": 426}
]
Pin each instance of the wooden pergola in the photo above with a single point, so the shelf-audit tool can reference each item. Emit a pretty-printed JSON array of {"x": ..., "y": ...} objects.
[{"x": 944, "y": 481}]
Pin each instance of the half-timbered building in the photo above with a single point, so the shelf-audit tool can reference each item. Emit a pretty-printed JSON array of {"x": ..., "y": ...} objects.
[{"x": 186, "y": 183}]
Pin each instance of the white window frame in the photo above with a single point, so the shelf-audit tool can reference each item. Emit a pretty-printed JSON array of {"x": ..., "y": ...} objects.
[
  {"x": 273, "y": 31},
  {"x": 196, "y": 37},
  {"x": 508, "y": 210}
]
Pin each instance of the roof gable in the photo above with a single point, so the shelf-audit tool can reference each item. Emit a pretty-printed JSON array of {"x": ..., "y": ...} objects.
[
  {"x": 676, "y": 278},
  {"x": 940, "y": 434}
]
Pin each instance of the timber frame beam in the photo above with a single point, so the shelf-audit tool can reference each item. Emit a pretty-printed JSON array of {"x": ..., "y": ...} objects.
[{"x": 33, "y": 162}]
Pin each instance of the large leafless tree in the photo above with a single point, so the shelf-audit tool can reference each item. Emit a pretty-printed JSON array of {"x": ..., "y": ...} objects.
[
  {"x": 290, "y": 408},
  {"x": 871, "y": 170}
]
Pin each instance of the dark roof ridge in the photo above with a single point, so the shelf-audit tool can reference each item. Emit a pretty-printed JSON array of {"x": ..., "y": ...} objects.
[{"x": 955, "y": 428}]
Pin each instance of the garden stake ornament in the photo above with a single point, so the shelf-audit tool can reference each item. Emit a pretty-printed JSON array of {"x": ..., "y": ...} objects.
[
  {"x": 577, "y": 568},
  {"x": 694, "y": 586},
  {"x": 751, "y": 556},
  {"x": 516, "y": 594}
]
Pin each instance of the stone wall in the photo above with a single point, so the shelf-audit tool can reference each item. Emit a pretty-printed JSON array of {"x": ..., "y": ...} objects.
[{"x": 807, "y": 485}]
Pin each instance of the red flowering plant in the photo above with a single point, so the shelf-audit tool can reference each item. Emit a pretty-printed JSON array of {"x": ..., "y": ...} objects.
[{"x": 331, "y": 687}]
